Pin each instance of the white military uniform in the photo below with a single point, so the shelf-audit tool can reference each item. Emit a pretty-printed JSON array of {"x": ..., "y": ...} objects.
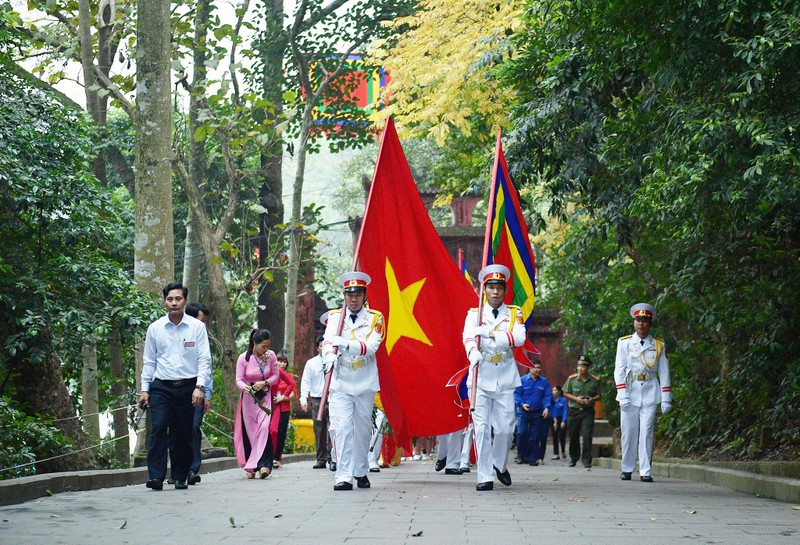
[
  {"x": 641, "y": 372},
  {"x": 498, "y": 376},
  {"x": 353, "y": 387},
  {"x": 449, "y": 448}
]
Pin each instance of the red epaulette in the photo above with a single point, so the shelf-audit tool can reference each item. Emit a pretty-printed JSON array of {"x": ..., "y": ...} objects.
[
  {"x": 573, "y": 376},
  {"x": 596, "y": 378}
]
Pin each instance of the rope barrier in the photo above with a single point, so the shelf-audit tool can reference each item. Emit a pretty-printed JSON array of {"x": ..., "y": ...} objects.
[
  {"x": 221, "y": 415},
  {"x": 126, "y": 407},
  {"x": 103, "y": 443},
  {"x": 100, "y": 444},
  {"x": 216, "y": 429}
]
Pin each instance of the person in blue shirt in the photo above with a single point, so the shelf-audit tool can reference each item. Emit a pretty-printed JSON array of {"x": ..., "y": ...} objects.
[
  {"x": 532, "y": 400},
  {"x": 558, "y": 413}
]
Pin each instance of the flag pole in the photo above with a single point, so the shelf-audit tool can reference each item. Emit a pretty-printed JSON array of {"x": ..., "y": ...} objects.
[{"x": 487, "y": 242}]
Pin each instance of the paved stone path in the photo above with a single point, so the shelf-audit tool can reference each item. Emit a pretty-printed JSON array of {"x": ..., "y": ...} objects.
[{"x": 410, "y": 504}]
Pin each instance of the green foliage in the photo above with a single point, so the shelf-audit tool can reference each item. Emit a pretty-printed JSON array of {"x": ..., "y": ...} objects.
[
  {"x": 63, "y": 264},
  {"x": 668, "y": 141},
  {"x": 24, "y": 439}
]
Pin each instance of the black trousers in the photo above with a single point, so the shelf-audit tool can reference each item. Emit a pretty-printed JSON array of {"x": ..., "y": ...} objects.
[
  {"x": 283, "y": 427},
  {"x": 581, "y": 428},
  {"x": 321, "y": 437},
  {"x": 559, "y": 437},
  {"x": 170, "y": 410}
]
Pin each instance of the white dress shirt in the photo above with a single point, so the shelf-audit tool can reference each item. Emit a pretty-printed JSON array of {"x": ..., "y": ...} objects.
[
  {"x": 175, "y": 352},
  {"x": 313, "y": 379}
]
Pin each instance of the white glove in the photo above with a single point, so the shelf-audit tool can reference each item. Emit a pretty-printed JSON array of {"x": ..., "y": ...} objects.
[
  {"x": 625, "y": 406},
  {"x": 666, "y": 407},
  {"x": 475, "y": 357},
  {"x": 328, "y": 360},
  {"x": 341, "y": 342},
  {"x": 483, "y": 331}
]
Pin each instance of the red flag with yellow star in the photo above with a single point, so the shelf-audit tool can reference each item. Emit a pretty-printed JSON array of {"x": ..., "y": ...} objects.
[{"x": 423, "y": 296}]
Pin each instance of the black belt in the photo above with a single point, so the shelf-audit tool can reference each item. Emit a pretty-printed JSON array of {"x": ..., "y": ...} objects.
[{"x": 178, "y": 383}]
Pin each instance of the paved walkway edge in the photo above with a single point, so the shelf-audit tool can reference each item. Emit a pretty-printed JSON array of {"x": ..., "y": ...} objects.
[
  {"x": 24, "y": 489},
  {"x": 763, "y": 486},
  {"x": 13, "y": 491}
]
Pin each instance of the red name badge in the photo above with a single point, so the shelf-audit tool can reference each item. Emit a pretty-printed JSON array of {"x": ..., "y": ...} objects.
[{"x": 188, "y": 344}]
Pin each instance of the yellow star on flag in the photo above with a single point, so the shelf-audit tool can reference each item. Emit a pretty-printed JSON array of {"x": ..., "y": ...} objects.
[{"x": 401, "y": 321}]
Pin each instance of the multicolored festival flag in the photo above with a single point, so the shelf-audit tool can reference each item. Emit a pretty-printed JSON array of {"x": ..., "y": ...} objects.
[
  {"x": 423, "y": 296},
  {"x": 506, "y": 241},
  {"x": 462, "y": 266}
]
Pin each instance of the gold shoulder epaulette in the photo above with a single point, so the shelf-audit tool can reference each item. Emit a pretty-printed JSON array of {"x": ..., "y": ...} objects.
[
  {"x": 513, "y": 306},
  {"x": 659, "y": 339},
  {"x": 373, "y": 311},
  {"x": 475, "y": 309},
  {"x": 335, "y": 311},
  {"x": 573, "y": 376},
  {"x": 625, "y": 337}
]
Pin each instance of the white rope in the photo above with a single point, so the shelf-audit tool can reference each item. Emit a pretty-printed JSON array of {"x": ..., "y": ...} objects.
[
  {"x": 126, "y": 407},
  {"x": 216, "y": 429},
  {"x": 100, "y": 444},
  {"x": 220, "y": 415}
]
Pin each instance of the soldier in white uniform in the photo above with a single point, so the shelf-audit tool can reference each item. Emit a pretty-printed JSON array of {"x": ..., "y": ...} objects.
[
  {"x": 641, "y": 372},
  {"x": 355, "y": 379},
  {"x": 490, "y": 349}
]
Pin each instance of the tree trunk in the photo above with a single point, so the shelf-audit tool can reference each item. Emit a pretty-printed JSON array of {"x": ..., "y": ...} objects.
[
  {"x": 50, "y": 395},
  {"x": 192, "y": 257},
  {"x": 197, "y": 151},
  {"x": 89, "y": 396},
  {"x": 119, "y": 389},
  {"x": 153, "y": 251},
  {"x": 270, "y": 294},
  {"x": 294, "y": 243}
]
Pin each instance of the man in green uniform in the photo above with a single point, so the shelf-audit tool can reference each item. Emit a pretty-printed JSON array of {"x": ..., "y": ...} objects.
[{"x": 582, "y": 390}]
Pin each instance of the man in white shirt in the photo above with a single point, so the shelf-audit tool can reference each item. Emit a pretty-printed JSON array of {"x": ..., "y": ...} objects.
[
  {"x": 311, "y": 385},
  {"x": 175, "y": 375}
]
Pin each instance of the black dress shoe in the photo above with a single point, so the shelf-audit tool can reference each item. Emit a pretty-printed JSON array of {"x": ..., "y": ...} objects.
[
  {"x": 504, "y": 477},
  {"x": 181, "y": 485},
  {"x": 344, "y": 485},
  {"x": 483, "y": 487},
  {"x": 520, "y": 461},
  {"x": 587, "y": 466},
  {"x": 464, "y": 470},
  {"x": 193, "y": 478},
  {"x": 155, "y": 484},
  {"x": 646, "y": 479},
  {"x": 452, "y": 471},
  {"x": 362, "y": 482},
  {"x": 374, "y": 470},
  {"x": 319, "y": 465},
  {"x": 573, "y": 464},
  {"x": 333, "y": 466},
  {"x": 440, "y": 463},
  {"x": 170, "y": 481},
  {"x": 625, "y": 476},
  {"x": 534, "y": 462}
]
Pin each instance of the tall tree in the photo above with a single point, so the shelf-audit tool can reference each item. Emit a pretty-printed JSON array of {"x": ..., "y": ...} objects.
[
  {"x": 667, "y": 140},
  {"x": 321, "y": 41}
]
